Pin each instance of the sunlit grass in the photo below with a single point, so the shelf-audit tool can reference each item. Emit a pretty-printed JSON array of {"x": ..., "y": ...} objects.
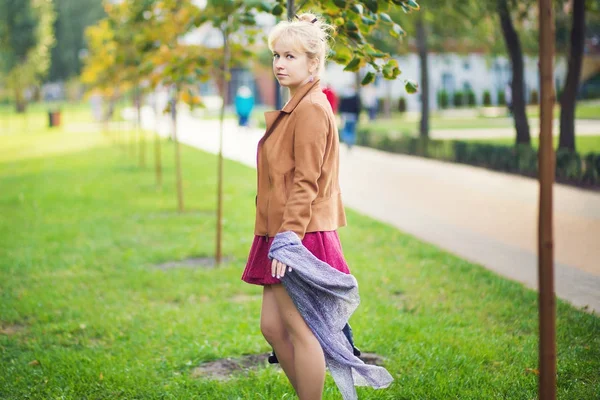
[{"x": 85, "y": 313}]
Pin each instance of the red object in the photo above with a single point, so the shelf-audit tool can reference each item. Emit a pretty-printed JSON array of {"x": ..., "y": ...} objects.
[
  {"x": 331, "y": 97},
  {"x": 325, "y": 246}
]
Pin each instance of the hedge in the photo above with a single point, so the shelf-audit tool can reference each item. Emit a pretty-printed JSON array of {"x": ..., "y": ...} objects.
[{"x": 571, "y": 167}]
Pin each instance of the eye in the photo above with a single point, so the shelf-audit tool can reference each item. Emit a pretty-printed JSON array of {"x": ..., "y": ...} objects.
[
  {"x": 289, "y": 56},
  {"x": 275, "y": 55}
]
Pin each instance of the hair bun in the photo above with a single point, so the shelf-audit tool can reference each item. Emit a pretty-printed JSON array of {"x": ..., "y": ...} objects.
[{"x": 308, "y": 17}]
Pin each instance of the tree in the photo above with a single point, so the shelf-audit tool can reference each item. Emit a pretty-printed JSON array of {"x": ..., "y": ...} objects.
[
  {"x": 100, "y": 70},
  {"x": 25, "y": 41},
  {"x": 72, "y": 18},
  {"x": 568, "y": 100},
  {"x": 513, "y": 46},
  {"x": 440, "y": 26},
  {"x": 175, "y": 65}
]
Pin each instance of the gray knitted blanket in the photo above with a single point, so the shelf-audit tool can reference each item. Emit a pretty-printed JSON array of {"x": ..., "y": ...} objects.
[{"x": 326, "y": 298}]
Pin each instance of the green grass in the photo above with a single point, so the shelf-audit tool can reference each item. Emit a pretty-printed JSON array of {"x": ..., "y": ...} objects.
[
  {"x": 583, "y": 144},
  {"x": 588, "y": 110},
  {"x": 400, "y": 124},
  {"x": 87, "y": 315}
]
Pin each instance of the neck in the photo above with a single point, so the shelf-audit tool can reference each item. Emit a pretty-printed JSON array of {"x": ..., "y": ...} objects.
[{"x": 293, "y": 90}]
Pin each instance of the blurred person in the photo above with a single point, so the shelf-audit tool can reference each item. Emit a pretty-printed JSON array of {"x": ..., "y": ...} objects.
[
  {"x": 244, "y": 103},
  {"x": 296, "y": 254},
  {"x": 350, "y": 106},
  {"x": 332, "y": 97}
]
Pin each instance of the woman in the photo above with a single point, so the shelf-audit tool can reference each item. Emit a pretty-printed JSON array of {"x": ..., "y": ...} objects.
[{"x": 298, "y": 191}]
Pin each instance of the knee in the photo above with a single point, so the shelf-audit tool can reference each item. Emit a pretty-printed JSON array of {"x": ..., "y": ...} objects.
[{"x": 272, "y": 331}]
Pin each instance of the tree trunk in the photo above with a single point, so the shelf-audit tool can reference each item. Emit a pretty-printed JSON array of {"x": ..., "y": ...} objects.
[
  {"x": 177, "y": 151},
  {"x": 20, "y": 103},
  {"x": 142, "y": 141},
  {"x": 226, "y": 57},
  {"x": 422, "y": 47},
  {"x": 546, "y": 244},
  {"x": 157, "y": 155},
  {"x": 513, "y": 45},
  {"x": 568, "y": 100}
]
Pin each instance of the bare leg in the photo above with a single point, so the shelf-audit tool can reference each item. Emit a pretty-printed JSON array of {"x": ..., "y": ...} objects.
[
  {"x": 309, "y": 361},
  {"x": 274, "y": 331}
]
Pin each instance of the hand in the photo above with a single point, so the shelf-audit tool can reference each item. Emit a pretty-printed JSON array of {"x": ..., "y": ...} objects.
[{"x": 278, "y": 269}]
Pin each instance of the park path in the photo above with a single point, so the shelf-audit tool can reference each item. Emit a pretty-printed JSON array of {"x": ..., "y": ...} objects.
[{"x": 486, "y": 217}]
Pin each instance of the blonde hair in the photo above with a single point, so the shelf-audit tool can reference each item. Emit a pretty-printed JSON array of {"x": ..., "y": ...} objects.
[{"x": 307, "y": 33}]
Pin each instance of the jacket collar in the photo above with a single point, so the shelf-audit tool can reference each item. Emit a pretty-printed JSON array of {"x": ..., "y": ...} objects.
[
  {"x": 271, "y": 116},
  {"x": 300, "y": 93}
]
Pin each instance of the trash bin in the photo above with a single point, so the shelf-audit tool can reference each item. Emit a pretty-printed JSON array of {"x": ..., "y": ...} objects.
[{"x": 53, "y": 118}]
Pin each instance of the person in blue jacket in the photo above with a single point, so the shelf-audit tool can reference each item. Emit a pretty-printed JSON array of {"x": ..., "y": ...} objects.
[{"x": 244, "y": 103}]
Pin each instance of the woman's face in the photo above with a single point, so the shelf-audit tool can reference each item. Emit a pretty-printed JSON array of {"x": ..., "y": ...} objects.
[{"x": 291, "y": 67}]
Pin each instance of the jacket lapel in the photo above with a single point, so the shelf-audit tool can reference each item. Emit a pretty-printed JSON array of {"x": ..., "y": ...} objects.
[{"x": 271, "y": 117}]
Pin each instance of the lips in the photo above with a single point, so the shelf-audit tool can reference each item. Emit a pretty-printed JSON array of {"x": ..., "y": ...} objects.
[{"x": 281, "y": 75}]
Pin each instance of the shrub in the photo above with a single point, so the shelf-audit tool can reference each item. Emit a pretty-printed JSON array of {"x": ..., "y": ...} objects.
[
  {"x": 443, "y": 99},
  {"x": 471, "y": 99},
  {"x": 534, "y": 98},
  {"x": 568, "y": 165},
  {"x": 522, "y": 159},
  {"x": 591, "y": 164},
  {"x": 363, "y": 137},
  {"x": 487, "y": 98},
  {"x": 402, "y": 105},
  {"x": 501, "y": 98},
  {"x": 458, "y": 99}
]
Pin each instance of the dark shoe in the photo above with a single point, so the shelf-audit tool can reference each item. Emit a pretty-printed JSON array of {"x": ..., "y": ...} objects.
[{"x": 273, "y": 358}]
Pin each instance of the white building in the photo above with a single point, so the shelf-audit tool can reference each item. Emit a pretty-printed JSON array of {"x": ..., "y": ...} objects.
[{"x": 450, "y": 72}]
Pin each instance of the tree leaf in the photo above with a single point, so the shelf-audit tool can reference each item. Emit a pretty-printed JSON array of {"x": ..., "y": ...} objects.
[
  {"x": 372, "y": 5},
  {"x": 368, "y": 21},
  {"x": 385, "y": 17},
  {"x": 277, "y": 10},
  {"x": 357, "y": 8},
  {"x": 411, "y": 86},
  {"x": 353, "y": 65},
  {"x": 369, "y": 77}
]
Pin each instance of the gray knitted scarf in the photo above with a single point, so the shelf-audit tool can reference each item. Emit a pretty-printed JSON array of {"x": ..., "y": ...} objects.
[{"x": 326, "y": 298}]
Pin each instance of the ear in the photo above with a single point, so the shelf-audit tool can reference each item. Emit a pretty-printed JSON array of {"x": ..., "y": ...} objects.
[{"x": 313, "y": 65}]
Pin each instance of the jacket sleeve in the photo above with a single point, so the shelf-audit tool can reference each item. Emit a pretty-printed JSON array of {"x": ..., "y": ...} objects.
[{"x": 310, "y": 141}]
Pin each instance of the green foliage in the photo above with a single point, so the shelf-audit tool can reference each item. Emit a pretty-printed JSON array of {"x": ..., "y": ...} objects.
[
  {"x": 443, "y": 99},
  {"x": 72, "y": 18},
  {"x": 501, "y": 98},
  {"x": 487, "y": 98},
  {"x": 571, "y": 168},
  {"x": 402, "y": 104},
  {"x": 534, "y": 97},
  {"x": 26, "y": 37},
  {"x": 356, "y": 21},
  {"x": 471, "y": 99},
  {"x": 458, "y": 98}
]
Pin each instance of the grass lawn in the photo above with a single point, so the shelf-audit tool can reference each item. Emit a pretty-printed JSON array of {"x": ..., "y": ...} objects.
[
  {"x": 86, "y": 314},
  {"x": 583, "y": 144},
  {"x": 404, "y": 124}
]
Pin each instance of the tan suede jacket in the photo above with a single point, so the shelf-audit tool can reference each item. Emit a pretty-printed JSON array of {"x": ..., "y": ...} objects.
[{"x": 298, "y": 168}]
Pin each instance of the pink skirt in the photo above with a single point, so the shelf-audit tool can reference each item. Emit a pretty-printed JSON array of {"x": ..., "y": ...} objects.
[{"x": 325, "y": 246}]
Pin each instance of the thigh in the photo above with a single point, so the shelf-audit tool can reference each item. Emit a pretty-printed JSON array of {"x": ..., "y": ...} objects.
[
  {"x": 271, "y": 322},
  {"x": 291, "y": 318}
]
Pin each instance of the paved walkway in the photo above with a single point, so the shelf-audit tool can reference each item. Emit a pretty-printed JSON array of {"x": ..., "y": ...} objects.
[{"x": 486, "y": 217}]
